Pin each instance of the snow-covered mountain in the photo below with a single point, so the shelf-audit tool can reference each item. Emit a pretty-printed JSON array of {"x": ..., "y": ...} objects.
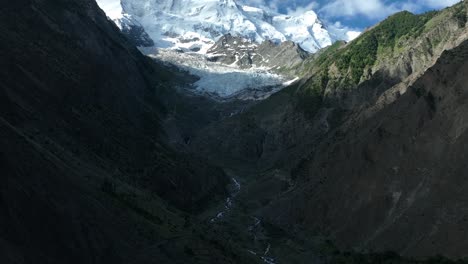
[{"x": 195, "y": 25}]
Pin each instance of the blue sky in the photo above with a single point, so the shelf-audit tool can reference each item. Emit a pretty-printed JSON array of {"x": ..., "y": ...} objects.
[{"x": 354, "y": 14}]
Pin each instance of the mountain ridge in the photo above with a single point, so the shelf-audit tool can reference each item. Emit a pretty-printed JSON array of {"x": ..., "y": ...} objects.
[{"x": 245, "y": 54}]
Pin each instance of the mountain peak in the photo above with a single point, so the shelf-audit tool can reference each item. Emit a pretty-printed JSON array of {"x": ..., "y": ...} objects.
[{"x": 190, "y": 25}]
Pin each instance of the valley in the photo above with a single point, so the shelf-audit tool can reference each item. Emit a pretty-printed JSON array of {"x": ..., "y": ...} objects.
[{"x": 126, "y": 139}]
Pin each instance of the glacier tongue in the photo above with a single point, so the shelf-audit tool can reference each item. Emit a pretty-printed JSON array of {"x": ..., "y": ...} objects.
[
  {"x": 223, "y": 81},
  {"x": 195, "y": 25}
]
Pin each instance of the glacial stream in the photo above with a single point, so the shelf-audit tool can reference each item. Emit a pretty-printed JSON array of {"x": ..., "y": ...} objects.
[
  {"x": 228, "y": 204},
  {"x": 234, "y": 189}
]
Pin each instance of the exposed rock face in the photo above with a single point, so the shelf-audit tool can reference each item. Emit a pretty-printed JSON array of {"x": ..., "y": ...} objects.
[{"x": 245, "y": 54}]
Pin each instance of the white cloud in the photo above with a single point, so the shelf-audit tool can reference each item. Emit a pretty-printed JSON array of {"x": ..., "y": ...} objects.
[
  {"x": 438, "y": 3},
  {"x": 374, "y": 9},
  {"x": 378, "y": 9},
  {"x": 351, "y": 35},
  {"x": 341, "y": 32},
  {"x": 302, "y": 9}
]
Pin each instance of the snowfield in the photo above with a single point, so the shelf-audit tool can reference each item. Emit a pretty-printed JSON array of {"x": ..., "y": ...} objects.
[
  {"x": 195, "y": 25},
  {"x": 112, "y": 8}
]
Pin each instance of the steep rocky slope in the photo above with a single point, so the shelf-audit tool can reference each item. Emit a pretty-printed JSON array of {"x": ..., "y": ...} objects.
[
  {"x": 397, "y": 180},
  {"x": 73, "y": 83},
  {"x": 134, "y": 32},
  {"x": 378, "y": 173},
  {"x": 87, "y": 173}
]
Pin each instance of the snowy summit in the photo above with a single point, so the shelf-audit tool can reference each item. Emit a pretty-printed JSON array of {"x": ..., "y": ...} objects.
[{"x": 195, "y": 25}]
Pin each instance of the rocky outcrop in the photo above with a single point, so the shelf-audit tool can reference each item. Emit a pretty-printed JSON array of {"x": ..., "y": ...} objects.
[{"x": 244, "y": 53}]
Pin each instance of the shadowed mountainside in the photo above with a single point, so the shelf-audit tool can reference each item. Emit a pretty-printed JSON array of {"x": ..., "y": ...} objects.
[
  {"x": 87, "y": 175},
  {"x": 396, "y": 181}
]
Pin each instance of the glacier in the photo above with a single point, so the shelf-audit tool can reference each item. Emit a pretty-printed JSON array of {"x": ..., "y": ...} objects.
[{"x": 223, "y": 82}]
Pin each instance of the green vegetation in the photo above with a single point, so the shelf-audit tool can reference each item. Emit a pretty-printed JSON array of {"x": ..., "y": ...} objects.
[
  {"x": 460, "y": 15},
  {"x": 360, "y": 55},
  {"x": 383, "y": 39},
  {"x": 327, "y": 54},
  {"x": 386, "y": 39}
]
